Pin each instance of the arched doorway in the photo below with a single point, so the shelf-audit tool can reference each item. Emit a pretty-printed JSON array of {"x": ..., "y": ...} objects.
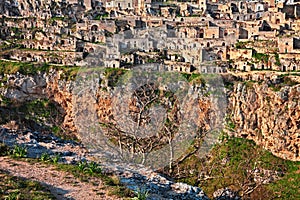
[
  {"x": 201, "y": 33},
  {"x": 94, "y": 28}
]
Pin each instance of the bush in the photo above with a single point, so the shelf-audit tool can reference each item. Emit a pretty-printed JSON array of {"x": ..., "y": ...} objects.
[
  {"x": 92, "y": 168},
  {"x": 19, "y": 152},
  {"x": 45, "y": 157},
  {"x": 261, "y": 57},
  {"x": 141, "y": 194},
  {"x": 89, "y": 168},
  {"x": 55, "y": 158}
]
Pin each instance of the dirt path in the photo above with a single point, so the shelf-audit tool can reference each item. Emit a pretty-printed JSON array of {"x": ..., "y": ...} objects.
[{"x": 62, "y": 185}]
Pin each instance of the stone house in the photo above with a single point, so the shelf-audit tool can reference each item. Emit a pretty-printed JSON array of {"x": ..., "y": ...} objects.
[
  {"x": 211, "y": 31},
  {"x": 211, "y": 68},
  {"x": 178, "y": 66},
  {"x": 288, "y": 45},
  {"x": 54, "y": 57}
]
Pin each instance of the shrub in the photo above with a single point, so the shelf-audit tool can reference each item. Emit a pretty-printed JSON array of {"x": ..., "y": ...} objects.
[
  {"x": 55, "y": 158},
  {"x": 261, "y": 57},
  {"x": 81, "y": 165},
  {"x": 142, "y": 194},
  {"x": 45, "y": 157},
  {"x": 19, "y": 152},
  {"x": 92, "y": 168},
  {"x": 89, "y": 168},
  {"x": 14, "y": 195}
]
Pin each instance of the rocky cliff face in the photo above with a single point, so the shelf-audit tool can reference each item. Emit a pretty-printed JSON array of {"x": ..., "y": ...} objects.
[
  {"x": 263, "y": 107},
  {"x": 20, "y": 88}
]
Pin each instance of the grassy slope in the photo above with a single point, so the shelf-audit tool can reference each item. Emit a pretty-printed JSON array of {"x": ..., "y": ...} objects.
[
  {"x": 12, "y": 187},
  {"x": 228, "y": 165}
]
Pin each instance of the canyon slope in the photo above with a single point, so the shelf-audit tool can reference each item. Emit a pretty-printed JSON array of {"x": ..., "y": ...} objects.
[{"x": 263, "y": 106}]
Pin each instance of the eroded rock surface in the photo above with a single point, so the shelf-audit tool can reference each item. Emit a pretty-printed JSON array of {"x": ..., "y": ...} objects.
[{"x": 266, "y": 108}]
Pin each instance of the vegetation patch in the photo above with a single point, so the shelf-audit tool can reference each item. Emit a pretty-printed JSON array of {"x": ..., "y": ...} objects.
[
  {"x": 42, "y": 115},
  {"x": 112, "y": 75},
  {"x": 13, "y": 188},
  {"x": 86, "y": 171},
  {"x": 194, "y": 78},
  {"x": 285, "y": 80},
  {"x": 243, "y": 45},
  {"x": 277, "y": 59},
  {"x": 8, "y": 67},
  {"x": 27, "y": 68},
  {"x": 232, "y": 164},
  {"x": 249, "y": 84},
  {"x": 261, "y": 57}
]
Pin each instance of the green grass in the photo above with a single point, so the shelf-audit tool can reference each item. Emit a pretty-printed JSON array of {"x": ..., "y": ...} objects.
[
  {"x": 227, "y": 166},
  {"x": 19, "y": 152},
  {"x": 141, "y": 194},
  {"x": 289, "y": 186},
  {"x": 261, "y": 57},
  {"x": 90, "y": 168},
  {"x": 38, "y": 111},
  {"x": 194, "y": 78},
  {"x": 55, "y": 158},
  {"x": 286, "y": 81},
  {"x": 7, "y": 67},
  {"x": 98, "y": 17},
  {"x": 45, "y": 157},
  {"x": 13, "y": 188},
  {"x": 277, "y": 59},
  {"x": 84, "y": 171},
  {"x": 28, "y": 68},
  {"x": 113, "y": 75},
  {"x": 87, "y": 170},
  {"x": 39, "y": 114}
]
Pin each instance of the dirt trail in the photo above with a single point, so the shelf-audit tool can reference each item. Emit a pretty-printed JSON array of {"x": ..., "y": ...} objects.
[{"x": 62, "y": 185}]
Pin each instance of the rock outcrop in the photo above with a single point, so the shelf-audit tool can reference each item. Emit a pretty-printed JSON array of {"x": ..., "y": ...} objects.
[{"x": 265, "y": 107}]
